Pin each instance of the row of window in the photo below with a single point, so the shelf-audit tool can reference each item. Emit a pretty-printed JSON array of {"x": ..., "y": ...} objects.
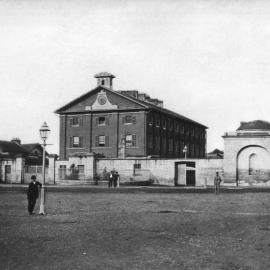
[
  {"x": 103, "y": 121},
  {"x": 171, "y": 125},
  {"x": 102, "y": 141},
  {"x": 175, "y": 146}
]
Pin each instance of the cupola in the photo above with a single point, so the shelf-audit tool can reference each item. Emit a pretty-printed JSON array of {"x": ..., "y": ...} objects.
[{"x": 105, "y": 79}]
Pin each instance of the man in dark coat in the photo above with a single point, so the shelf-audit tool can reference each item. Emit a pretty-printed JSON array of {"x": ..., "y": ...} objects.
[
  {"x": 32, "y": 194},
  {"x": 217, "y": 182}
]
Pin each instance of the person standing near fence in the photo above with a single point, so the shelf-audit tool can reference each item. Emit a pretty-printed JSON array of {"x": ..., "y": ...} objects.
[
  {"x": 217, "y": 182},
  {"x": 32, "y": 194},
  {"x": 117, "y": 177}
]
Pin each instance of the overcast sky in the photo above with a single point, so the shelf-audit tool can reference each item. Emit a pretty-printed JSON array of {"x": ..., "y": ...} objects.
[{"x": 207, "y": 60}]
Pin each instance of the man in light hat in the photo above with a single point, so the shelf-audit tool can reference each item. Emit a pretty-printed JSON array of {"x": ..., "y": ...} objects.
[
  {"x": 217, "y": 182},
  {"x": 32, "y": 194}
]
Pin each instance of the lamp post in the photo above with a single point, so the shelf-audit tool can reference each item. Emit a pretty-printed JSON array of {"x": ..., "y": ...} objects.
[
  {"x": 44, "y": 133},
  {"x": 185, "y": 151}
]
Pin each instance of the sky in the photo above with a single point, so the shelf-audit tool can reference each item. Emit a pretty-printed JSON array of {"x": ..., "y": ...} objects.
[{"x": 208, "y": 60}]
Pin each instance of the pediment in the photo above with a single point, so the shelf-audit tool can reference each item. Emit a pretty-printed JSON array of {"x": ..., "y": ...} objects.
[
  {"x": 99, "y": 99},
  {"x": 102, "y": 102}
]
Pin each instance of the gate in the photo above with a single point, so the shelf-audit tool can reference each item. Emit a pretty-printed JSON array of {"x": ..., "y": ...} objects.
[
  {"x": 7, "y": 173},
  {"x": 185, "y": 173}
]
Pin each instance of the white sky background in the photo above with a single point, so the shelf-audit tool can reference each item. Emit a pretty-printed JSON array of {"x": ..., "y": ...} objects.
[{"x": 207, "y": 60}]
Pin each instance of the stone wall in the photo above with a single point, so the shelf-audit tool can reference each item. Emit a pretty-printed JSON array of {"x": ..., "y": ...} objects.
[
  {"x": 237, "y": 151},
  {"x": 160, "y": 171},
  {"x": 86, "y": 161}
]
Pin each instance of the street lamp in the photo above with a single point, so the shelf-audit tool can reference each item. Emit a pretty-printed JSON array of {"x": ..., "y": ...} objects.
[
  {"x": 44, "y": 133},
  {"x": 185, "y": 151}
]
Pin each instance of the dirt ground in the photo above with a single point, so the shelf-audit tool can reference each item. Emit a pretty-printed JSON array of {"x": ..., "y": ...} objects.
[{"x": 136, "y": 231}]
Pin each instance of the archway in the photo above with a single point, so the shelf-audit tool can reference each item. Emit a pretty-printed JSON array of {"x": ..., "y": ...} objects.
[{"x": 252, "y": 165}]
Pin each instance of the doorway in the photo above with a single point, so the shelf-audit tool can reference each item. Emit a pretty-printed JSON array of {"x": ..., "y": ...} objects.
[
  {"x": 185, "y": 173},
  {"x": 7, "y": 173}
]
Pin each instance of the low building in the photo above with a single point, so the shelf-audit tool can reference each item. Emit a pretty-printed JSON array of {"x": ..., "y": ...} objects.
[
  {"x": 247, "y": 154},
  {"x": 19, "y": 161},
  {"x": 215, "y": 154}
]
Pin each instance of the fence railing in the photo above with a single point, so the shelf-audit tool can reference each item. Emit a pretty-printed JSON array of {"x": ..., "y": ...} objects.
[
  {"x": 34, "y": 169},
  {"x": 70, "y": 174}
]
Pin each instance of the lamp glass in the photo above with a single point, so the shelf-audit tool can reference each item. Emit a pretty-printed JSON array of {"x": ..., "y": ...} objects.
[{"x": 44, "y": 131}]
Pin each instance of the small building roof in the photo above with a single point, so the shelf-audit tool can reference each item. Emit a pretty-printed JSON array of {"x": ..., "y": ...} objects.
[
  {"x": 254, "y": 125},
  {"x": 215, "y": 154},
  {"x": 28, "y": 147},
  {"x": 11, "y": 147},
  {"x": 104, "y": 74}
]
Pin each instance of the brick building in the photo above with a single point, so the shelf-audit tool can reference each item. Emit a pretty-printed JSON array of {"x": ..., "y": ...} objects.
[{"x": 126, "y": 123}]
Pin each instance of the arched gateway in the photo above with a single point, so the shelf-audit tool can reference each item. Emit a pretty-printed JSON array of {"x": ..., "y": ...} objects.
[{"x": 247, "y": 154}]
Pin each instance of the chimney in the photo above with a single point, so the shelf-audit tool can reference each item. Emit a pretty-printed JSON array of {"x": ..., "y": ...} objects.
[{"x": 16, "y": 140}]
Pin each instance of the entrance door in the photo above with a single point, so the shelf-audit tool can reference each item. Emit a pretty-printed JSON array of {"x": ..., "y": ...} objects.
[
  {"x": 181, "y": 176},
  {"x": 7, "y": 173},
  {"x": 190, "y": 177}
]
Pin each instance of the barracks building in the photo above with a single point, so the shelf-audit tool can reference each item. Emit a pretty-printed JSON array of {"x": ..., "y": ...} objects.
[{"x": 103, "y": 119}]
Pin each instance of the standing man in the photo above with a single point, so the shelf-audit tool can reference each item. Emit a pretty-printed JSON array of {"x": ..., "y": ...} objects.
[
  {"x": 117, "y": 179},
  {"x": 217, "y": 182},
  {"x": 111, "y": 177},
  {"x": 32, "y": 194}
]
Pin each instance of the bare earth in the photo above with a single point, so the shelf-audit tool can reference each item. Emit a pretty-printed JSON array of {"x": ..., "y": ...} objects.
[{"x": 136, "y": 231}]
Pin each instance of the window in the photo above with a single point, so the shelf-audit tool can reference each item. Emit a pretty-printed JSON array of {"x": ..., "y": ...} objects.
[
  {"x": 76, "y": 141},
  {"x": 101, "y": 121},
  {"x": 137, "y": 169},
  {"x": 157, "y": 143},
  {"x": 170, "y": 125},
  {"x": 158, "y": 122},
  {"x": 192, "y": 131},
  {"x": 130, "y": 140},
  {"x": 182, "y": 129},
  {"x": 102, "y": 82},
  {"x": 76, "y": 121},
  {"x": 129, "y": 119},
  {"x": 150, "y": 120},
  {"x": 102, "y": 141},
  {"x": 164, "y": 123}
]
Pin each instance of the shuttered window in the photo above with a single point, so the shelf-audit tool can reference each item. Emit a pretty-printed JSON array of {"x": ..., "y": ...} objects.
[
  {"x": 130, "y": 140},
  {"x": 76, "y": 141},
  {"x": 102, "y": 141},
  {"x": 128, "y": 120},
  {"x": 76, "y": 121}
]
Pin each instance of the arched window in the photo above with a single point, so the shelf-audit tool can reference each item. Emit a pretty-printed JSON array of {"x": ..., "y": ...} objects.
[{"x": 252, "y": 166}]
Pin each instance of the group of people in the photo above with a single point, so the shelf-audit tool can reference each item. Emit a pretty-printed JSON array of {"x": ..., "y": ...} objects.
[{"x": 114, "y": 179}]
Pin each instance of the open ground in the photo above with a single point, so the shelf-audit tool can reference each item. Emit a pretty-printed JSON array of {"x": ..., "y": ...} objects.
[{"x": 138, "y": 230}]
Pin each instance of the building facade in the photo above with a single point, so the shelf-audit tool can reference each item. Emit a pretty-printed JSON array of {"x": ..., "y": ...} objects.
[
  {"x": 127, "y": 123},
  {"x": 247, "y": 154}
]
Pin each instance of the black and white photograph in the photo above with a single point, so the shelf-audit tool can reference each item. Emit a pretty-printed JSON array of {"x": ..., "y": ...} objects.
[{"x": 135, "y": 134}]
